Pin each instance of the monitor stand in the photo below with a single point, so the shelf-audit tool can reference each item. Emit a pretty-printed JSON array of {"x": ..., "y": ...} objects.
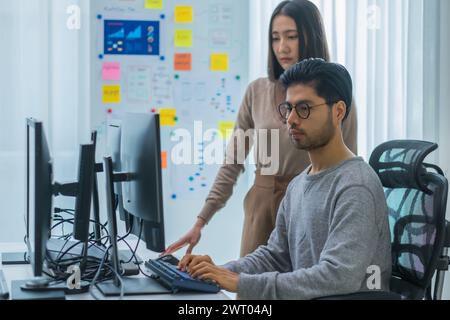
[
  {"x": 132, "y": 287},
  {"x": 14, "y": 258},
  {"x": 46, "y": 284},
  {"x": 35, "y": 289}
]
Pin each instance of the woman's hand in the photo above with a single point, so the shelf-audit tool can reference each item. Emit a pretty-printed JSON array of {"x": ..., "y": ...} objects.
[{"x": 191, "y": 238}]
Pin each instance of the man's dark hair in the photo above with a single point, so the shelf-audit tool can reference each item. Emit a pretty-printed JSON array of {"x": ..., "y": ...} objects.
[
  {"x": 331, "y": 81},
  {"x": 311, "y": 31}
]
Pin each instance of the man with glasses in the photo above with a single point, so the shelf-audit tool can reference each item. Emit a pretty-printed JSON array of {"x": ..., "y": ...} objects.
[{"x": 332, "y": 227}]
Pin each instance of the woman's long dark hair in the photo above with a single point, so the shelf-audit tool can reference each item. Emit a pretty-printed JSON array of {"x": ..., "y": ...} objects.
[{"x": 312, "y": 37}]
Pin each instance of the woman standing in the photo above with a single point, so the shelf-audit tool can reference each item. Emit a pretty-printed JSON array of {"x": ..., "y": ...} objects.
[{"x": 296, "y": 33}]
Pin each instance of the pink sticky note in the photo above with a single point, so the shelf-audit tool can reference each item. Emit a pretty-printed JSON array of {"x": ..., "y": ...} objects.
[{"x": 111, "y": 71}]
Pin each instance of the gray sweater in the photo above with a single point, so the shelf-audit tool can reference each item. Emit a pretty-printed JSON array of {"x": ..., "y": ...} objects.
[{"x": 331, "y": 228}]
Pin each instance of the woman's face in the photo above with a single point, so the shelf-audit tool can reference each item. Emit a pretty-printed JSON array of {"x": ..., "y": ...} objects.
[{"x": 285, "y": 41}]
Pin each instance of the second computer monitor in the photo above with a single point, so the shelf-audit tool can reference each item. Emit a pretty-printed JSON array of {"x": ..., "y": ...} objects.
[
  {"x": 141, "y": 156},
  {"x": 113, "y": 145},
  {"x": 86, "y": 171}
]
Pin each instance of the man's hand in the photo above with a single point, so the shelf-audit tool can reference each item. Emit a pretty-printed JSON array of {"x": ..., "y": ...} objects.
[
  {"x": 190, "y": 261},
  {"x": 226, "y": 279},
  {"x": 203, "y": 267}
]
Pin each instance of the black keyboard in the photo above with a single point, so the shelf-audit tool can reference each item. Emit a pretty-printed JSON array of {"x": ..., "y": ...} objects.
[{"x": 166, "y": 271}]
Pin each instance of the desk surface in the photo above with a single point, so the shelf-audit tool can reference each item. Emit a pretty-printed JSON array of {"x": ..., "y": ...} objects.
[{"x": 24, "y": 272}]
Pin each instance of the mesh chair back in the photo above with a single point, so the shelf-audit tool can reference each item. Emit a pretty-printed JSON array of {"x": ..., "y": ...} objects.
[{"x": 416, "y": 200}]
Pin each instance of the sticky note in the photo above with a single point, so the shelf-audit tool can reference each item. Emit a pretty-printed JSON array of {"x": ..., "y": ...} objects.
[
  {"x": 183, "y": 62},
  {"x": 219, "y": 62},
  {"x": 154, "y": 4},
  {"x": 184, "y": 14},
  {"x": 164, "y": 160},
  {"x": 111, "y": 94},
  {"x": 183, "y": 38},
  {"x": 226, "y": 129},
  {"x": 111, "y": 71},
  {"x": 167, "y": 117}
]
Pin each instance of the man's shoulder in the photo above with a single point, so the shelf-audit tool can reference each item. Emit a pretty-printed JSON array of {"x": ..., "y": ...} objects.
[
  {"x": 359, "y": 175},
  {"x": 358, "y": 171},
  {"x": 297, "y": 181}
]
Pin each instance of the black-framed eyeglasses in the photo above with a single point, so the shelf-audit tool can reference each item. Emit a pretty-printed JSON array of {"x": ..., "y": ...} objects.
[{"x": 303, "y": 110}]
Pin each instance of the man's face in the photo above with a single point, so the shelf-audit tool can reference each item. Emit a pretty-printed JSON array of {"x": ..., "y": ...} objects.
[{"x": 316, "y": 131}]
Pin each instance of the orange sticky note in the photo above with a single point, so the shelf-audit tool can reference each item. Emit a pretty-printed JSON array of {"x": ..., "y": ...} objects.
[
  {"x": 183, "y": 62},
  {"x": 164, "y": 159}
]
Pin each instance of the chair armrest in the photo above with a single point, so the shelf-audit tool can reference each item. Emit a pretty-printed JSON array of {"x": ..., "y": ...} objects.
[{"x": 447, "y": 235}]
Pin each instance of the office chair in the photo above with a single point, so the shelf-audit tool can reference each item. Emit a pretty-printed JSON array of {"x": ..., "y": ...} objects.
[
  {"x": 416, "y": 195},
  {"x": 417, "y": 202}
]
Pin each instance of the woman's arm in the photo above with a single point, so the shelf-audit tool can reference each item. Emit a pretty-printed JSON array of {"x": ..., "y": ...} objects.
[{"x": 228, "y": 174}]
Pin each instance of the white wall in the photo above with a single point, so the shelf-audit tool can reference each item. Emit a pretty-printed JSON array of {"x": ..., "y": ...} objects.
[
  {"x": 23, "y": 92},
  {"x": 44, "y": 68}
]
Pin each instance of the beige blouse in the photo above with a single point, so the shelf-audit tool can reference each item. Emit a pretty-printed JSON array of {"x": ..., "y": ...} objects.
[{"x": 259, "y": 110}]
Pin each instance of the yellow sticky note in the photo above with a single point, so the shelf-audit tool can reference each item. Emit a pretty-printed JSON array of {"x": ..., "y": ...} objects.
[
  {"x": 183, "y": 38},
  {"x": 154, "y": 4},
  {"x": 184, "y": 14},
  {"x": 219, "y": 62},
  {"x": 226, "y": 129},
  {"x": 167, "y": 117},
  {"x": 111, "y": 94}
]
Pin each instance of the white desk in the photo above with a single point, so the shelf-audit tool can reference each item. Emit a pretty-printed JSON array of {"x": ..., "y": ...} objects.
[{"x": 24, "y": 272}]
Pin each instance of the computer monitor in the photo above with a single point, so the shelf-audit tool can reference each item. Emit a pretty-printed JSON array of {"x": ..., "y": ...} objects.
[
  {"x": 38, "y": 194},
  {"x": 113, "y": 148},
  {"x": 82, "y": 190},
  {"x": 86, "y": 172},
  {"x": 142, "y": 196},
  {"x": 40, "y": 190}
]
